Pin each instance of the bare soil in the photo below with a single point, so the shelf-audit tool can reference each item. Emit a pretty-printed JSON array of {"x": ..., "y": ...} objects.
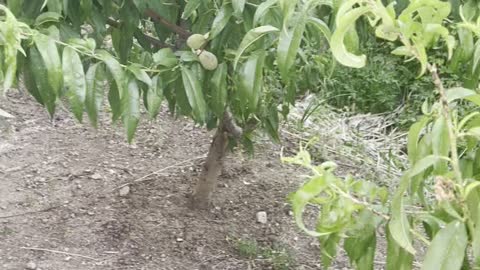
[{"x": 60, "y": 206}]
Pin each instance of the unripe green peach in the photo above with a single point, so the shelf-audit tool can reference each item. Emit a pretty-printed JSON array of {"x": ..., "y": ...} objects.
[
  {"x": 196, "y": 41},
  {"x": 208, "y": 60}
]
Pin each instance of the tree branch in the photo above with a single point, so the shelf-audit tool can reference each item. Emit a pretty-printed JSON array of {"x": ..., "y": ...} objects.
[
  {"x": 230, "y": 126},
  {"x": 175, "y": 28},
  {"x": 155, "y": 42}
]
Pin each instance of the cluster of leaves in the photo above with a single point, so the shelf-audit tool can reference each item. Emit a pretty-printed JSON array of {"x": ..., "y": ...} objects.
[
  {"x": 73, "y": 49},
  {"x": 437, "y": 201},
  {"x": 348, "y": 209}
]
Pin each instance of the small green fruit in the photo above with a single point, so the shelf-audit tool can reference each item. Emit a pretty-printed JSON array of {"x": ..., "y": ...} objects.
[
  {"x": 196, "y": 41},
  {"x": 208, "y": 60}
]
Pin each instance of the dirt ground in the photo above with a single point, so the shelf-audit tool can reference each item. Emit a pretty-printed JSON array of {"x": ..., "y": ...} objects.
[{"x": 60, "y": 206}]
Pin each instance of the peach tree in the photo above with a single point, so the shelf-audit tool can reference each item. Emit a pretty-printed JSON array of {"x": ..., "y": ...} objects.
[
  {"x": 226, "y": 64},
  {"x": 436, "y": 203}
]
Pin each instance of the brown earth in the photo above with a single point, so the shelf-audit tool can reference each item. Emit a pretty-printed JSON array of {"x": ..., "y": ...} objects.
[{"x": 60, "y": 207}]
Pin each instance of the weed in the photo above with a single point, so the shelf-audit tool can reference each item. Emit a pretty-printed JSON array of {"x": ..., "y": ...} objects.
[{"x": 276, "y": 257}]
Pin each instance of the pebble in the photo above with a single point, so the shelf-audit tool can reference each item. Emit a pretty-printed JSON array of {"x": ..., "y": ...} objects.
[
  {"x": 96, "y": 176},
  {"x": 262, "y": 217},
  {"x": 31, "y": 266},
  {"x": 124, "y": 191}
]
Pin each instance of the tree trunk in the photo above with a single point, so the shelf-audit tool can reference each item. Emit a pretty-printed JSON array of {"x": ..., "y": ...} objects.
[{"x": 211, "y": 169}]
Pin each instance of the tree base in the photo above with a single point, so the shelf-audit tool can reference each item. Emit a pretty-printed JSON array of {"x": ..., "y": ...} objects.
[{"x": 207, "y": 182}]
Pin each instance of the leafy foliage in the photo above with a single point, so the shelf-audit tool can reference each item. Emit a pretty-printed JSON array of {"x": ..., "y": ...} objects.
[
  {"x": 202, "y": 57},
  {"x": 383, "y": 85},
  {"x": 439, "y": 191}
]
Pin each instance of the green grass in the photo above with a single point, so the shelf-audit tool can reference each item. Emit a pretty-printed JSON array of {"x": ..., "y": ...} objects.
[{"x": 277, "y": 257}]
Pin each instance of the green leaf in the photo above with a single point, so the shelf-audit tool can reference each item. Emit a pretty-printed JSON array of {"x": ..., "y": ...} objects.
[
  {"x": 361, "y": 248},
  {"x": 31, "y": 9},
  {"x": 397, "y": 257},
  {"x": 328, "y": 248},
  {"x": 343, "y": 24},
  {"x": 85, "y": 45},
  {"x": 250, "y": 38},
  {"x": 456, "y": 93},
  {"x": 130, "y": 19},
  {"x": 114, "y": 100},
  {"x": 424, "y": 164},
  {"x": 287, "y": 7},
  {"x": 74, "y": 81},
  {"x": 399, "y": 226},
  {"x": 351, "y": 40},
  {"x": 55, "y": 6},
  {"x": 431, "y": 225},
  {"x": 250, "y": 81},
  {"x": 475, "y": 131},
  {"x": 52, "y": 63},
  {"x": 190, "y": 8},
  {"x": 140, "y": 74},
  {"x": 115, "y": 69},
  {"x": 288, "y": 47},
  {"x": 219, "y": 89},
  {"x": 47, "y": 17},
  {"x": 29, "y": 79},
  {"x": 221, "y": 20},
  {"x": 302, "y": 197},
  {"x": 422, "y": 57},
  {"x": 238, "y": 7},
  {"x": 271, "y": 123},
  {"x": 476, "y": 58},
  {"x": 165, "y": 57},
  {"x": 15, "y": 6},
  {"x": 155, "y": 96},
  {"x": 321, "y": 26},
  {"x": 262, "y": 10},
  {"x": 447, "y": 250},
  {"x": 40, "y": 75},
  {"x": 440, "y": 144},
  {"x": 194, "y": 93},
  {"x": 131, "y": 108},
  {"x": 402, "y": 51},
  {"x": 95, "y": 79},
  {"x": 476, "y": 239},
  {"x": 413, "y": 138},
  {"x": 470, "y": 187},
  {"x": 86, "y": 7}
]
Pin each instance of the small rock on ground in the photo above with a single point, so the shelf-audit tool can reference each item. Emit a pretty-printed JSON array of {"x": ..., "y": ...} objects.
[
  {"x": 124, "y": 191},
  {"x": 262, "y": 217},
  {"x": 31, "y": 266}
]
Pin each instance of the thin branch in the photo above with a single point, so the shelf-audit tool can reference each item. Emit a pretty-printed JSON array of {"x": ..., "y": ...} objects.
[
  {"x": 175, "y": 28},
  {"x": 144, "y": 178},
  {"x": 60, "y": 252},
  {"x": 155, "y": 42},
  {"x": 31, "y": 212}
]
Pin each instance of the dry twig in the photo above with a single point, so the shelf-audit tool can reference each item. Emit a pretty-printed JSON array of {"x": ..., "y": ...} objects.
[
  {"x": 31, "y": 212},
  {"x": 144, "y": 178},
  {"x": 60, "y": 252}
]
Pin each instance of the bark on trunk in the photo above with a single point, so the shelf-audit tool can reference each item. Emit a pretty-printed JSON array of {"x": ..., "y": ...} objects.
[{"x": 201, "y": 197}]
